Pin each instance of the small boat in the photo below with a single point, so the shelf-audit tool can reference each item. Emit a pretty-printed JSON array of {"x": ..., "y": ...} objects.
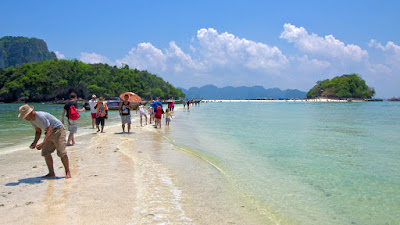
[{"x": 113, "y": 104}]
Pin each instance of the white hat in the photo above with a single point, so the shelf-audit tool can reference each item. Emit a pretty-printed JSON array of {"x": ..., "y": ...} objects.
[{"x": 24, "y": 111}]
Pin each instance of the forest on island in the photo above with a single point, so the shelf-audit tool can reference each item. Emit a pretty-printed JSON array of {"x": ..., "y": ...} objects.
[
  {"x": 345, "y": 86},
  {"x": 55, "y": 79},
  {"x": 14, "y": 51}
]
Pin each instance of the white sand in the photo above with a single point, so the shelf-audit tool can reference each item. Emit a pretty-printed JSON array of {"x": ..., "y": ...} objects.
[
  {"x": 137, "y": 178},
  {"x": 290, "y": 100}
]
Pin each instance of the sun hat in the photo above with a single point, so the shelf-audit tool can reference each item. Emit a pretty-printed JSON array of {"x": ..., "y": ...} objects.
[
  {"x": 24, "y": 111},
  {"x": 93, "y": 96}
]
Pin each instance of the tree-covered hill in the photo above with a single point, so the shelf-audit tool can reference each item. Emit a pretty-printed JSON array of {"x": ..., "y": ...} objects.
[
  {"x": 55, "y": 79},
  {"x": 255, "y": 92},
  {"x": 346, "y": 86},
  {"x": 14, "y": 51}
]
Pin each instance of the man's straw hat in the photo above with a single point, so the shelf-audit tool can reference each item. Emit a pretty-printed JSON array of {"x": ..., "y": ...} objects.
[{"x": 24, "y": 111}]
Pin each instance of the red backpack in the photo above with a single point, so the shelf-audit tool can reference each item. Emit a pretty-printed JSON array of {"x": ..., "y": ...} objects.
[{"x": 73, "y": 113}]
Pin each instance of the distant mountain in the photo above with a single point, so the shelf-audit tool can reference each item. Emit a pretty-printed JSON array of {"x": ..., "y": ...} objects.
[
  {"x": 255, "y": 92},
  {"x": 14, "y": 51}
]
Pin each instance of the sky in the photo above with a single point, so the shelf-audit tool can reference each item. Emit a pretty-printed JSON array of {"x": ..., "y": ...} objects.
[{"x": 284, "y": 44}]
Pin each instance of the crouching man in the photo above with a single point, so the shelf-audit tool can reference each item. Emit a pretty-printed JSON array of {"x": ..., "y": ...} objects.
[{"x": 54, "y": 137}]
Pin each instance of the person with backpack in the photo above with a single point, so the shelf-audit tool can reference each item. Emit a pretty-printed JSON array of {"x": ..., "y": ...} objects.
[
  {"x": 72, "y": 111},
  {"x": 101, "y": 114}
]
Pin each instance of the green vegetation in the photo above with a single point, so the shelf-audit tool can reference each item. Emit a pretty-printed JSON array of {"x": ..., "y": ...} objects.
[
  {"x": 346, "y": 86},
  {"x": 14, "y": 51},
  {"x": 55, "y": 79}
]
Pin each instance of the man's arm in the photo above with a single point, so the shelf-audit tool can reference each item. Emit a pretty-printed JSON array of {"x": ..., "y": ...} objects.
[
  {"x": 62, "y": 116},
  {"x": 38, "y": 133},
  {"x": 46, "y": 138},
  {"x": 81, "y": 110},
  {"x": 120, "y": 108}
]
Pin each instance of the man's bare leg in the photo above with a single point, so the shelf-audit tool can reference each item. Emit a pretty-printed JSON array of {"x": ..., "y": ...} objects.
[
  {"x": 129, "y": 127},
  {"x": 49, "y": 163},
  {"x": 65, "y": 162},
  {"x": 123, "y": 127}
]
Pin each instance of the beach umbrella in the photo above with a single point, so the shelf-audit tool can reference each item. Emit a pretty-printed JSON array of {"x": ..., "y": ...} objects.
[{"x": 132, "y": 97}]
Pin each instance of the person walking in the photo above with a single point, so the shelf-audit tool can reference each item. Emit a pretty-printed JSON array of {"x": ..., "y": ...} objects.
[
  {"x": 125, "y": 112},
  {"x": 92, "y": 103},
  {"x": 101, "y": 114},
  {"x": 142, "y": 112},
  {"x": 168, "y": 117},
  {"x": 54, "y": 137},
  {"x": 159, "y": 113},
  {"x": 71, "y": 109}
]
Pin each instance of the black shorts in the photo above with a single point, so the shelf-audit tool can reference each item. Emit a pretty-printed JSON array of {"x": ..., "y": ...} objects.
[{"x": 100, "y": 120}]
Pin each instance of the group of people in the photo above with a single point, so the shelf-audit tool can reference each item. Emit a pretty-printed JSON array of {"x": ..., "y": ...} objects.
[
  {"x": 188, "y": 102},
  {"x": 55, "y": 135}
]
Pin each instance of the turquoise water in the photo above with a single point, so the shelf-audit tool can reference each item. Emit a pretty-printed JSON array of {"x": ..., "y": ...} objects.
[
  {"x": 293, "y": 162},
  {"x": 14, "y": 131},
  {"x": 303, "y": 163}
]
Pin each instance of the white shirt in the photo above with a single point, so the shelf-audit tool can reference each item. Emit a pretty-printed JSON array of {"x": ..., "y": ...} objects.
[{"x": 92, "y": 103}]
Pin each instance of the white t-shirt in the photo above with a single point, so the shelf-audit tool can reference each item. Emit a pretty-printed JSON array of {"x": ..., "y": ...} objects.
[{"x": 92, "y": 103}]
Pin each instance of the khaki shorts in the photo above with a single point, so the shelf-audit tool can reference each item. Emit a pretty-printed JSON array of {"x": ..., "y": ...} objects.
[{"x": 56, "y": 141}]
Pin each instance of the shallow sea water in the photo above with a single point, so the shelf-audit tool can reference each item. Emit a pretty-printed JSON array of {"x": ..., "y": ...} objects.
[
  {"x": 291, "y": 163},
  {"x": 302, "y": 163}
]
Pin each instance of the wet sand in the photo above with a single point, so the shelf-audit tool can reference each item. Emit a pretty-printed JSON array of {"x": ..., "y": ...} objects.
[{"x": 119, "y": 178}]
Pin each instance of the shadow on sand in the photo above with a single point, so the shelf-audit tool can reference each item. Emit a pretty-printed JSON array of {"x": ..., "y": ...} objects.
[
  {"x": 124, "y": 132},
  {"x": 32, "y": 180}
]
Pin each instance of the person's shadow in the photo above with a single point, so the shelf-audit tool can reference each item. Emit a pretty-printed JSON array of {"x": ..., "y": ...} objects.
[
  {"x": 124, "y": 132},
  {"x": 31, "y": 180}
]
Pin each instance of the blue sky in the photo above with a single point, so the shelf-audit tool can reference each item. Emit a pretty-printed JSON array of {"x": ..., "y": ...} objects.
[{"x": 284, "y": 44}]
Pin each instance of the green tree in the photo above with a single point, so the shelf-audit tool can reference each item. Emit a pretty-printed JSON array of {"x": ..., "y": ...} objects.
[
  {"x": 55, "y": 79},
  {"x": 345, "y": 86}
]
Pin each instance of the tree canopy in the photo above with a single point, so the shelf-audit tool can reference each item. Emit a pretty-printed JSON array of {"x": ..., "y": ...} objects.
[
  {"x": 55, "y": 79},
  {"x": 345, "y": 86},
  {"x": 14, "y": 51}
]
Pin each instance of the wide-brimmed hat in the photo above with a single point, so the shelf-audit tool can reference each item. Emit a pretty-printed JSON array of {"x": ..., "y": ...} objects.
[
  {"x": 24, "y": 111},
  {"x": 93, "y": 96}
]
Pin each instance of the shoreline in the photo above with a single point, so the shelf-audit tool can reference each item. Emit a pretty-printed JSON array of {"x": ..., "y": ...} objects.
[
  {"x": 289, "y": 100},
  {"x": 118, "y": 178}
]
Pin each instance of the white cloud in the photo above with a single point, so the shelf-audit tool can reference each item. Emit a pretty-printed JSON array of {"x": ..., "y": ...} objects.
[
  {"x": 181, "y": 60},
  {"x": 59, "y": 55},
  {"x": 327, "y": 46},
  {"x": 391, "y": 50},
  {"x": 379, "y": 69},
  {"x": 314, "y": 65},
  {"x": 93, "y": 58},
  {"x": 224, "y": 59},
  {"x": 226, "y": 49},
  {"x": 145, "y": 57}
]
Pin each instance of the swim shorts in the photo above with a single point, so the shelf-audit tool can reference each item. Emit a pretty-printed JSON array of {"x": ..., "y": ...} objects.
[
  {"x": 126, "y": 119},
  {"x": 72, "y": 126}
]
